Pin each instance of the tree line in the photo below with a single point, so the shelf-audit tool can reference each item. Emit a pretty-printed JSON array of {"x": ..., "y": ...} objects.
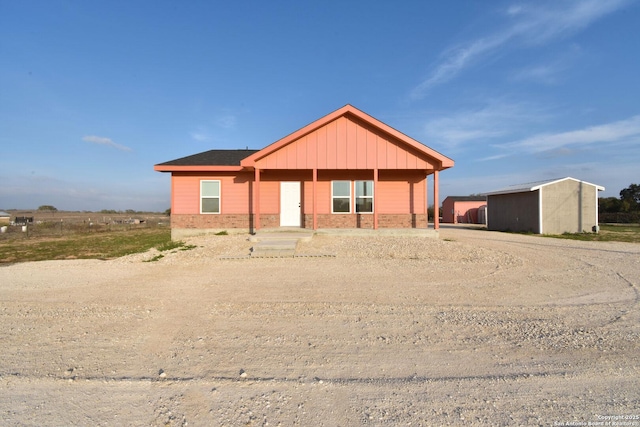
[{"x": 625, "y": 209}]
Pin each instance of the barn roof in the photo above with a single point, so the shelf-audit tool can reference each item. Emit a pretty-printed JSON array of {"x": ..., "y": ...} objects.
[
  {"x": 533, "y": 186},
  {"x": 467, "y": 198}
]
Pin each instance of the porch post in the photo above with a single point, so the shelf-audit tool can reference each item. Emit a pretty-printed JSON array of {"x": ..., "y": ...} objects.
[
  {"x": 426, "y": 199},
  {"x": 315, "y": 196},
  {"x": 436, "y": 207},
  {"x": 256, "y": 203},
  {"x": 375, "y": 205}
]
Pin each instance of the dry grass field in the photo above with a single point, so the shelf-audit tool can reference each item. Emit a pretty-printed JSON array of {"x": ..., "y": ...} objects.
[{"x": 476, "y": 328}]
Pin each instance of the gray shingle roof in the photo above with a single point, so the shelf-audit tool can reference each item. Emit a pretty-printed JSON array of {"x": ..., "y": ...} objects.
[{"x": 212, "y": 158}]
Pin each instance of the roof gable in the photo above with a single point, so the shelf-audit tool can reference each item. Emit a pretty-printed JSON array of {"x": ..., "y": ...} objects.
[{"x": 347, "y": 139}]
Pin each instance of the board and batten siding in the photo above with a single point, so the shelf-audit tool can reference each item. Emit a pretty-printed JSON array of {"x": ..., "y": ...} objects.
[{"x": 345, "y": 143}]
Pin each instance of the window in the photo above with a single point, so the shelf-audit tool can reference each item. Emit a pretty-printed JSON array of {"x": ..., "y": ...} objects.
[
  {"x": 210, "y": 197},
  {"x": 341, "y": 197},
  {"x": 364, "y": 196}
]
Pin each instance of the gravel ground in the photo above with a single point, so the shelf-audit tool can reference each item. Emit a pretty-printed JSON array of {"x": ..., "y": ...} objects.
[{"x": 476, "y": 328}]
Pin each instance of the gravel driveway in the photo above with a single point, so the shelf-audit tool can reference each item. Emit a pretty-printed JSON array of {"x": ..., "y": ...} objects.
[{"x": 476, "y": 328}]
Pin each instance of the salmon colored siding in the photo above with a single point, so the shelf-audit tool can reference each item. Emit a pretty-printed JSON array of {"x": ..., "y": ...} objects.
[
  {"x": 397, "y": 192},
  {"x": 328, "y": 148},
  {"x": 234, "y": 192},
  {"x": 186, "y": 194},
  {"x": 269, "y": 197}
]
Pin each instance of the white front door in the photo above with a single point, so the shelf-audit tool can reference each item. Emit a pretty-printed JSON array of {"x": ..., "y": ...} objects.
[{"x": 289, "y": 204}]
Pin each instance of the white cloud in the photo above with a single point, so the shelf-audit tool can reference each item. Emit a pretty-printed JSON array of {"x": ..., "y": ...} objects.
[
  {"x": 226, "y": 121},
  {"x": 456, "y": 59},
  {"x": 542, "y": 22},
  {"x": 616, "y": 132},
  {"x": 530, "y": 25},
  {"x": 214, "y": 127},
  {"x": 105, "y": 141},
  {"x": 497, "y": 119},
  {"x": 548, "y": 73},
  {"x": 541, "y": 73},
  {"x": 200, "y": 135}
]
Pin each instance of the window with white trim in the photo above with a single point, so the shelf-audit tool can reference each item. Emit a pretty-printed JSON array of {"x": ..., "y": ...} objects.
[
  {"x": 209, "y": 197},
  {"x": 341, "y": 196},
  {"x": 364, "y": 196}
]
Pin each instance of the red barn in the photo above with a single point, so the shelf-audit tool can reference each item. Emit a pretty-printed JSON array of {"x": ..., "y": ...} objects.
[{"x": 462, "y": 209}]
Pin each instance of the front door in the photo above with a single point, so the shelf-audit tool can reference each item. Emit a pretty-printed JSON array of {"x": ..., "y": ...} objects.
[{"x": 290, "y": 204}]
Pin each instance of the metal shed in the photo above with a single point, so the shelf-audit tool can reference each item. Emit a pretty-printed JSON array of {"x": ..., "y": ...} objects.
[{"x": 555, "y": 206}]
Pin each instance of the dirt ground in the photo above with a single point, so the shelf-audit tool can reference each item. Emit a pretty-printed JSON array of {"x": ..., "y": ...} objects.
[{"x": 476, "y": 328}]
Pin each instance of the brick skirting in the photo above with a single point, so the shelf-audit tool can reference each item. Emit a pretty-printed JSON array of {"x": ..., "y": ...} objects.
[
  {"x": 245, "y": 222},
  {"x": 366, "y": 221}
]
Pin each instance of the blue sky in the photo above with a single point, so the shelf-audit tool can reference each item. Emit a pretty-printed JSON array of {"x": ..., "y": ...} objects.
[{"x": 93, "y": 94}]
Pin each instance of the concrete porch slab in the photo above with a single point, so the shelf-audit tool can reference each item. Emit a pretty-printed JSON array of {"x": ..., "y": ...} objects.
[
  {"x": 274, "y": 234},
  {"x": 395, "y": 232}
]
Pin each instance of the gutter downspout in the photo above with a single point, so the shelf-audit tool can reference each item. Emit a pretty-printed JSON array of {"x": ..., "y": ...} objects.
[{"x": 597, "y": 226}]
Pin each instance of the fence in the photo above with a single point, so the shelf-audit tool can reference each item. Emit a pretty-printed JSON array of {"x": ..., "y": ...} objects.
[
  {"x": 619, "y": 217},
  {"x": 60, "y": 227}
]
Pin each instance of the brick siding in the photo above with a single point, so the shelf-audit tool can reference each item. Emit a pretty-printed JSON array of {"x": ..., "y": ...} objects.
[{"x": 243, "y": 221}]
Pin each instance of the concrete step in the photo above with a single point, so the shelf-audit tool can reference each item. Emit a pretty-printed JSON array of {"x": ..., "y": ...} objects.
[
  {"x": 276, "y": 245},
  {"x": 273, "y": 254},
  {"x": 277, "y": 234}
]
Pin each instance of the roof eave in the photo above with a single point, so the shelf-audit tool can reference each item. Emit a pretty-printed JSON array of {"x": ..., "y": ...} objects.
[
  {"x": 539, "y": 186},
  {"x": 196, "y": 168}
]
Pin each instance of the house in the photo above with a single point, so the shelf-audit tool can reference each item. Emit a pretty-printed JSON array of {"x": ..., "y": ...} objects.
[
  {"x": 462, "y": 209},
  {"x": 344, "y": 170},
  {"x": 555, "y": 206}
]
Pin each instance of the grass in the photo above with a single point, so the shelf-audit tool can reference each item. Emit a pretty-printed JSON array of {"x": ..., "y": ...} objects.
[
  {"x": 102, "y": 245},
  {"x": 114, "y": 244},
  {"x": 608, "y": 233},
  {"x": 171, "y": 245}
]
